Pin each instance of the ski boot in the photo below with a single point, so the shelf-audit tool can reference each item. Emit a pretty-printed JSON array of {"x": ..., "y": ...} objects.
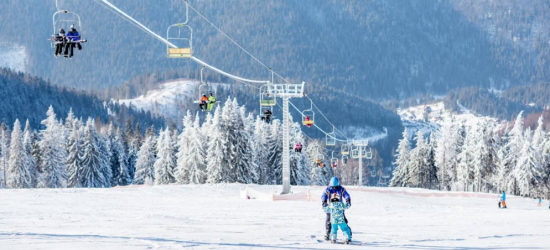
[
  {"x": 333, "y": 241},
  {"x": 327, "y": 238},
  {"x": 347, "y": 242}
]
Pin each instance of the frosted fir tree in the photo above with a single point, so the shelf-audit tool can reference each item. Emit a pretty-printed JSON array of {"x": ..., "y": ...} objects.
[
  {"x": 165, "y": 165},
  {"x": 74, "y": 151},
  {"x": 465, "y": 168},
  {"x": 275, "y": 144},
  {"x": 123, "y": 172},
  {"x": 242, "y": 154},
  {"x": 216, "y": 161},
  {"x": 528, "y": 172},
  {"x": 401, "y": 170},
  {"x": 260, "y": 148},
  {"x": 510, "y": 154},
  {"x": 27, "y": 143},
  {"x": 96, "y": 170},
  {"x": 430, "y": 177},
  {"x": 18, "y": 174},
  {"x": 459, "y": 138},
  {"x": 195, "y": 160},
  {"x": 482, "y": 163},
  {"x": 537, "y": 142},
  {"x": 249, "y": 123},
  {"x": 182, "y": 170},
  {"x": 417, "y": 163},
  {"x": 445, "y": 153},
  {"x": 53, "y": 154},
  {"x": 145, "y": 163},
  {"x": 545, "y": 162},
  {"x": 4, "y": 155},
  {"x": 317, "y": 176},
  {"x": 299, "y": 168},
  {"x": 131, "y": 158}
]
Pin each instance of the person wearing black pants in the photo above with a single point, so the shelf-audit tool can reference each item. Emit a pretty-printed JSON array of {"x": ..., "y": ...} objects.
[{"x": 59, "y": 40}]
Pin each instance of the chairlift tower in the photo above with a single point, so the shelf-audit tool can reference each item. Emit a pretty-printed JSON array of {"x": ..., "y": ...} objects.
[
  {"x": 360, "y": 152},
  {"x": 285, "y": 92}
]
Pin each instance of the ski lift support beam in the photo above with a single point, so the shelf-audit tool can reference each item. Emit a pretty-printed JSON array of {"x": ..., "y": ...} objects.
[{"x": 361, "y": 146}]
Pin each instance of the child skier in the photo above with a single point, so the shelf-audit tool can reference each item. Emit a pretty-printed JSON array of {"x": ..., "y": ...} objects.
[{"x": 336, "y": 210}]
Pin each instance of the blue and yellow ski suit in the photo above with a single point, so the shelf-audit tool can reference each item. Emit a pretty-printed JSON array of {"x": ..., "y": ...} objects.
[{"x": 336, "y": 210}]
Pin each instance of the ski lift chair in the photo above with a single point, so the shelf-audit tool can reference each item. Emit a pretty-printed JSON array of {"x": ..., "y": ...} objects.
[{"x": 184, "y": 45}]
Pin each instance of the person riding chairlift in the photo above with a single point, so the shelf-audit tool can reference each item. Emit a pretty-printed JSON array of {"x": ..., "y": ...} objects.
[
  {"x": 59, "y": 40},
  {"x": 267, "y": 115},
  {"x": 73, "y": 39},
  {"x": 203, "y": 102},
  {"x": 319, "y": 163},
  {"x": 307, "y": 119},
  {"x": 211, "y": 102},
  {"x": 298, "y": 147}
]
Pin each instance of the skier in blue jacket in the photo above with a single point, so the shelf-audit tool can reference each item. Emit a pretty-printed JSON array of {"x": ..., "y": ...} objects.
[
  {"x": 334, "y": 188},
  {"x": 503, "y": 197},
  {"x": 73, "y": 38},
  {"x": 336, "y": 209}
]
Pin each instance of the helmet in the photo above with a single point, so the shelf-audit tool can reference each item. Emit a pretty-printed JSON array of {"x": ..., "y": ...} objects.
[
  {"x": 61, "y": 31},
  {"x": 334, "y": 182}
]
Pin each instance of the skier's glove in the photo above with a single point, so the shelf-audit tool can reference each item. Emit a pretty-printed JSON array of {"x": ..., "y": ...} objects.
[{"x": 348, "y": 201}]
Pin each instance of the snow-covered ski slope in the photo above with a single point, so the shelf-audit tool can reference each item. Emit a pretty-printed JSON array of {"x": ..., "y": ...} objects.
[{"x": 210, "y": 217}]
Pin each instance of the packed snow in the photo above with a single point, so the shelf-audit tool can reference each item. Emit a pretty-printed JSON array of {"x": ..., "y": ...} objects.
[{"x": 214, "y": 217}]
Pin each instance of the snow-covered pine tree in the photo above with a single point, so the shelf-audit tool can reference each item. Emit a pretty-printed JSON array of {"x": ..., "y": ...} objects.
[
  {"x": 217, "y": 147},
  {"x": 254, "y": 154},
  {"x": 537, "y": 142},
  {"x": 481, "y": 157},
  {"x": 510, "y": 155},
  {"x": 96, "y": 170},
  {"x": 53, "y": 154},
  {"x": 182, "y": 170},
  {"x": 74, "y": 152},
  {"x": 417, "y": 163},
  {"x": 27, "y": 143},
  {"x": 317, "y": 175},
  {"x": 131, "y": 158},
  {"x": 275, "y": 144},
  {"x": 545, "y": 162},
  {"x": 300, "y": 172},
  {"x": 4, "y": 154},
  {"x": 261, "y": 133},
  {"x": 445, "y": 153},
  {"x": 401, "y": 163},
  {"x": 196, "y": 154},
  {"x": 123, "y": 173},
  {"x": 528, "y": 172},
  {"x": 242, "y": 153},
  {"x": 430, "y": 176},
  {"x": 18, "y": 174},
  {"x": 145, "y": 163},
  {"x": 165, "y": 165},
  {"x": 465, "y": 167}
]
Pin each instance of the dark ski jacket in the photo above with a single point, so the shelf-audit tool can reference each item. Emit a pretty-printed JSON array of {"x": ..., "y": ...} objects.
[{"x": 341, "y": 191}]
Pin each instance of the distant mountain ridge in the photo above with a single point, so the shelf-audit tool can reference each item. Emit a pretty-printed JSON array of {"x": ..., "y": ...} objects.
[
  {"x": 26, "y": 97},
  {"x": 376, "y": 49}
]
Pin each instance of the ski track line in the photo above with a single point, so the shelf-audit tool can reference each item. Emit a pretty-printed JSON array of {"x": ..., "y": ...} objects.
[{"x": 155, "y": 240}]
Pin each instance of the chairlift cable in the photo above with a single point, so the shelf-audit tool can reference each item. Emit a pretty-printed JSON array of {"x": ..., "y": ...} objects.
[{"x": 233, "y": 41}]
